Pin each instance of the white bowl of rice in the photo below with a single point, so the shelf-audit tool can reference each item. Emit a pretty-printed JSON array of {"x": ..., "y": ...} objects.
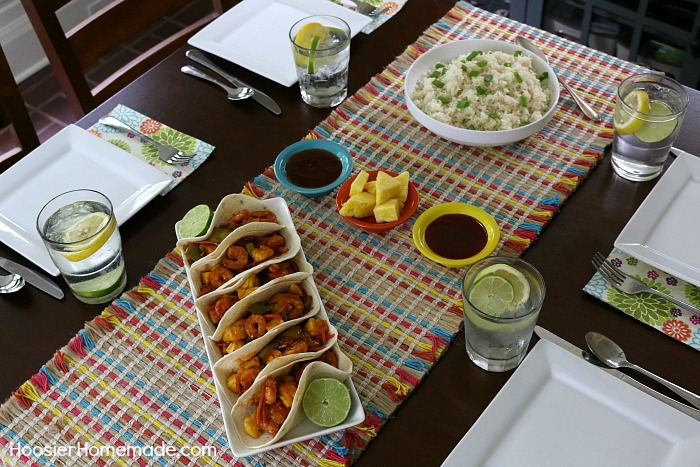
[{"x": 481, "y": 92}]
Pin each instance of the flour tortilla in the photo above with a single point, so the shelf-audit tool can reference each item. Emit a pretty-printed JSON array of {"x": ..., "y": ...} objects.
[
  {"x": 292, "y": 242},
  {"x": 248, "y": 402},
  {"x": 240, "y": 309}
]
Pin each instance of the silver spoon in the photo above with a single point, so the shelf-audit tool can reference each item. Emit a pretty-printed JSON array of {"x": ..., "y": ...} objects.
[
  {"x": 11, "y": 283},
  {"x": 234, "y": 94},
  {"x": 612, "y": 355},
  {"x": 583, "y": 105}
]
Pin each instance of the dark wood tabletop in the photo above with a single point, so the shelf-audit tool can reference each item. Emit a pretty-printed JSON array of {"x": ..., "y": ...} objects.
[{"x": 248, "y": 138}]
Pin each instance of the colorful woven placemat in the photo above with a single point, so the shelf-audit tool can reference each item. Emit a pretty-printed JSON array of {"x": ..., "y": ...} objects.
[{"x": 136, "y": 382}]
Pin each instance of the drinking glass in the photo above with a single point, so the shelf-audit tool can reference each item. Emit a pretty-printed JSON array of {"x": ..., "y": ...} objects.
[
  {"x": 649, "y": 111},
  {"x": 81, "y": 235},
  {"x": 498, "y": 340},
  {"x": 321, "y": 48}
]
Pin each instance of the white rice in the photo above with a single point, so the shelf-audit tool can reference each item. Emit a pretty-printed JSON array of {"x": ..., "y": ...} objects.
[{"x": 494, "y": 100}]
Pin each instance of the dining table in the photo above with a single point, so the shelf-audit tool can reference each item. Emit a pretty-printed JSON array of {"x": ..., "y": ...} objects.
[{"x": 446, "y": 398}]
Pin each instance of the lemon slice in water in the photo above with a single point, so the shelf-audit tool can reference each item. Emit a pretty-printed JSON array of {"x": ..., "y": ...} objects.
[
  {"x": 89, "y": 226},
  {"x": 625, "y": 122},
  {"x": 309, "y": 37}
]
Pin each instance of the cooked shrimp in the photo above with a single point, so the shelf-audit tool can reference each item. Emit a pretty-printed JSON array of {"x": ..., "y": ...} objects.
[
  {"x": 222, "y": 305},
  {"x": 218, "y": 276},
  {"x": 298, "y": 346},
  {"x": 286, "y": 304},
  {"x": 255, "y": 326},
  {"x": 273, "y": 241},
  {"x": 270, "y": 390},
  {"x": 239, "y": 219},
  {"x": 246, "y": 378},
  {"x": 276, "y": 270},
  {"x": 236, "y": 258}
]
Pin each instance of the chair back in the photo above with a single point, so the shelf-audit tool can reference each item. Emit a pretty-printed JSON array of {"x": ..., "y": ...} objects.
[
  {"x": 71, "y": 53},
  {"x": 14, "y": 115}
]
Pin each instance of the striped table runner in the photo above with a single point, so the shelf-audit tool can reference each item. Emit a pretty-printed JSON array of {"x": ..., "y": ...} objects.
[{"x": 134, "y": 387}]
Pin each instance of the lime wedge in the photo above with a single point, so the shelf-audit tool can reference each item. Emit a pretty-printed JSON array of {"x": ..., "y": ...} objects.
[
  {"x": 196, "y": 222},
  {"x": 326, "y": 402},
  {"x": 85, "y": 228},
  {"x": 520, "y": 284},
  {"x": 625, "y": 122},
  {"x": 312, "y": 54},
  {"x": 491, "y": 294},
  {"x": 102, "y": 285},
  {"x": 652, "y": 132}
]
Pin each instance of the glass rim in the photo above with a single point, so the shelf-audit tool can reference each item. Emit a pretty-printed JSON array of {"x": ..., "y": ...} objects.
[
  {"x": 324, "y": 49},
  {"x": 504, "y": 319},
  {"x": 107, "y": 224},
  {"x": 653, "y": 78}
]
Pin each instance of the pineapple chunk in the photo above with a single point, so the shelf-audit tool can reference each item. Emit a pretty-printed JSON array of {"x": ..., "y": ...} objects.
[
  {"x": 371, "y": 187},
  {"x": 360, "y": 205},
  {"x": 388, "y": 211},
  {"x": 387, "y": 187},
  {"x": 358, "y": 184},
  {"x": 403, "y": 178}
]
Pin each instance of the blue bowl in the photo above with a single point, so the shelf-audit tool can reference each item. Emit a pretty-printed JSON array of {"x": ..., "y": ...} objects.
[{"x": 339, "y": 151}]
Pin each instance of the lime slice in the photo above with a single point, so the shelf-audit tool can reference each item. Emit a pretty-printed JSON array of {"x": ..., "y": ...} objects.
[
  {"x": 85, "y": 228},
  {"x": 652, "y": 132},
  {"x": 312, "y": 55},
  {"x": 491, "y": 294},
  {"x": 520, "y": 284},
  {"x": 196, "y": 222},
  {"x": 627, "y": 123},
  {"x": 326, "y": 402},
  {"x": 100, "y": 286}
]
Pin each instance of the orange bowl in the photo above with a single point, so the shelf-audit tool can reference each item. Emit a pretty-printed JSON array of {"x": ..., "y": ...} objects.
[{"x": 369, "y": 223}]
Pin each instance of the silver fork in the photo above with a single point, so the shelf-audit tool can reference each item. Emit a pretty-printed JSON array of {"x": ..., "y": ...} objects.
[
  {"x": 631, "y": 285},
  {"x": 166, "y": 153}
]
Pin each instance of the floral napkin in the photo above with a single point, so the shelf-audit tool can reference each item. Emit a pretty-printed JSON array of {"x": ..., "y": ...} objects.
[
  {"x": 393, "y": 8},
  {"x": 146, "y": 151},
  {"x": 658, "y": 313}
]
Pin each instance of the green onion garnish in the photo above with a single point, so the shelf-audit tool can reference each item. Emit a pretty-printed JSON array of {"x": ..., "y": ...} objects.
[
  {"x": 482, "y": 63},
  {"x": 434, "y": 74},
  {"x": 444, "y": 99},
  {"x": 474, "y": 73},
  {"x": 518, "y": 53},
  {"x": 438, "y": 84},
  {"x": 507, "y": 64},
  {"x": 464, "y": 68},
  {"x": 488, "y": 78},
  {"x": 543, "y": 76},
  {"x": 472, "y": 55},
  {"x": 471, "y": 127},
  {"x": 523, "y": 101},
  {"x": 480, "y": 90},
  {"x": 517, "y": 77},
  {"x": 463, "y": 104}
]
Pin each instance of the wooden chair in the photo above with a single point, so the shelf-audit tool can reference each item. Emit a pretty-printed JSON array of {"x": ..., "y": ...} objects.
[
  {"x": 14, "y": 114},
  {"x": 71, "y": 53}
]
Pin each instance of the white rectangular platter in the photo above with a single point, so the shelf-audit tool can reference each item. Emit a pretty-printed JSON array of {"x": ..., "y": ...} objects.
[
  {"x": 72, "y": 159},
  {"x": 255, "y": 34},
  {"x": 306, "y": 429},
  {"x": 663, "y": 232},
  {"x": 558, "y": 409}
]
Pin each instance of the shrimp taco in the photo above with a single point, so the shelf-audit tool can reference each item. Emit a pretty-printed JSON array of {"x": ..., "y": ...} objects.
[
  {"x": 236, "y": 376},
  {"x": 232, "y": 212},
  {"x": 272, "y": 406},
  {"x": 250, "y": 248},
  {"x": 282, "y": 303}
]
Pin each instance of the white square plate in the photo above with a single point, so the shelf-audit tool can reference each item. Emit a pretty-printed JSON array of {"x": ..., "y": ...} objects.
[
  {"x": 664, "y": 230},
  {"x": 558, "y": 409},
  {"x": 72, "y": 159},
  {"x": 255, "y": 34}
]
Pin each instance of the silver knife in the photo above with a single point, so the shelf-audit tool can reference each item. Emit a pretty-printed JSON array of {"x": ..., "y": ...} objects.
[
  {"x": 36, "y": 279},
  {"x": 258, "y": 96},
  {"x": 542, "y": 333}
]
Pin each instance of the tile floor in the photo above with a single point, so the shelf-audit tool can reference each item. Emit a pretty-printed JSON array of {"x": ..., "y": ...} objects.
[{"x": 47, "y": 104}]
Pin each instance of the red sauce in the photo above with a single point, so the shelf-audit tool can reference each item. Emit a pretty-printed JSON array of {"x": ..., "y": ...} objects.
[
  {"x": 456, "y": 236},
  {"x": 313, "y": 168}
]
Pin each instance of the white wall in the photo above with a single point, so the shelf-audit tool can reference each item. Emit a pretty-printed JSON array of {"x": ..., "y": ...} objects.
[{"x": 19, "y": 41}]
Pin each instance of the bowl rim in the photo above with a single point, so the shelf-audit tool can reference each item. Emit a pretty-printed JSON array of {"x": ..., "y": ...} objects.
[
  {"x": 410, "y": 206},
  {"x": 466, "y": 136},
  {"x": 487, "y": 220},
  {"x": 337, "y": 149}
]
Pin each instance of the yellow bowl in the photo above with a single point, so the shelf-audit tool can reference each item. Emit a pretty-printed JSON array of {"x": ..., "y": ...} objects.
[{"x": 493, "y": 234}]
